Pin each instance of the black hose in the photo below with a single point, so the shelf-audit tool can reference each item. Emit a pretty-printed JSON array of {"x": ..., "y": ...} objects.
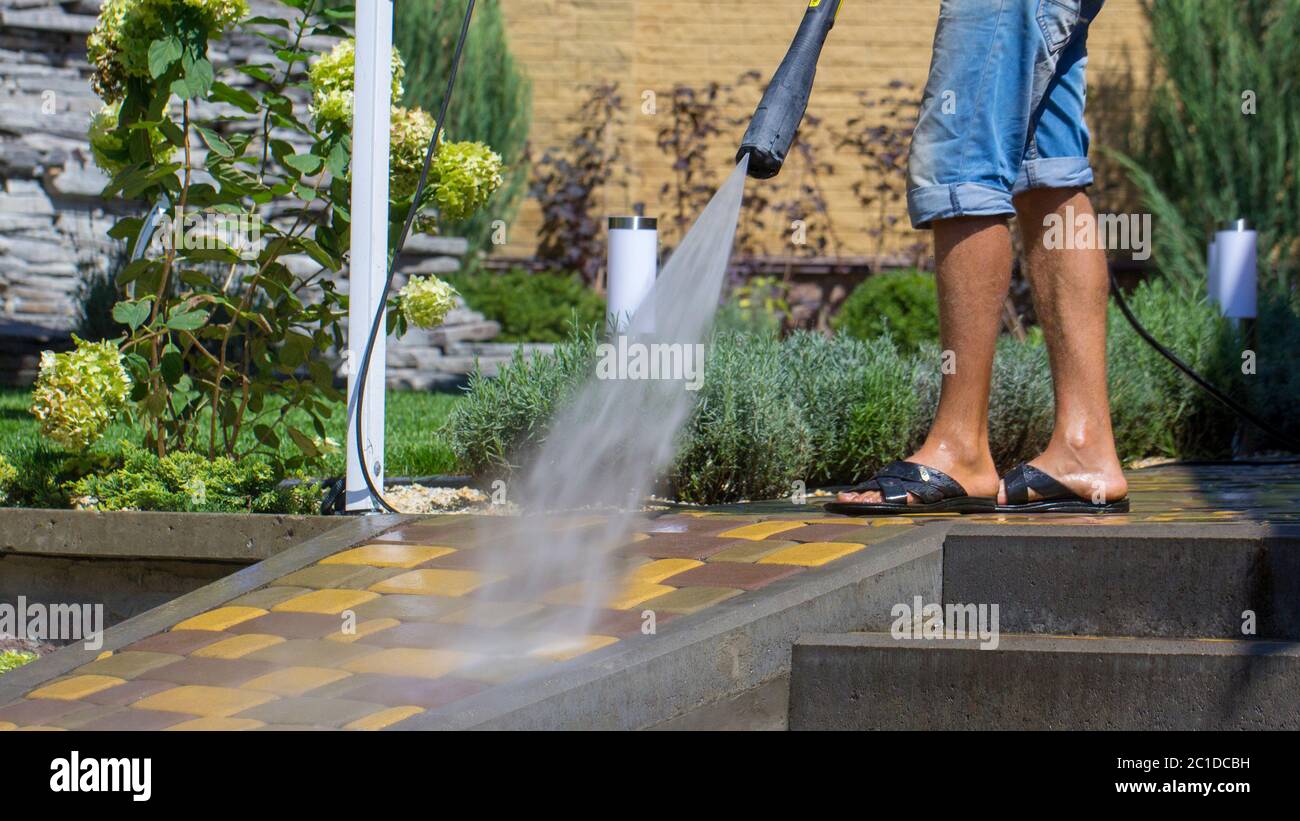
[
  {"x": 392, "y": 263},
  {"x": 1232, "y": 404}
]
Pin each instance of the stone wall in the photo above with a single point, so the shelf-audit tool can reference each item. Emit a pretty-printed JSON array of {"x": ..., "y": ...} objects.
[{"x": 53, "y": 222}]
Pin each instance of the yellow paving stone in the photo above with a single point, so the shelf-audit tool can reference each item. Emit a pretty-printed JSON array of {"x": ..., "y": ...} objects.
[
  {"x": 365, "y": 628},
  {"x": 40, "y": 728},
  {"x": 70, "y": 689},
  {"x": 657, "y": 571},
  {"x": 219, "y": 724},
  {"x": 221, "y": 618},
  {"x": 406, "y": 661},
  {"x": 294, "y": 681},
  {"x": 565, "y": 649},
  {"x": 389, "y": 555},
  {"x": 327, "y": 602},
  {"x": 432, "y": 582},
  {"x": 7, "y": 725},
  {"x": 630, "y": 594},
  {"x": 104, "y": 655},
  {"x": 761, "y": 530},
  {"x": 201, "y": 700},
  {"x": 624, "y": 596},
  {"x": 237, "y": 646},
  {"x": 812, "y": 554},
  {"x": 892, "y": 521},
  {"x": 383, "y": 718},
  {"x": 749, "y": 551},
  {"x": 490, "y": 613},
  {"x": 691, "y": 599}
]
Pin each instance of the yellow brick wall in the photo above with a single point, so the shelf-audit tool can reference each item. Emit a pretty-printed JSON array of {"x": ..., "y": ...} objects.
[{"x": 566, "y": 46}]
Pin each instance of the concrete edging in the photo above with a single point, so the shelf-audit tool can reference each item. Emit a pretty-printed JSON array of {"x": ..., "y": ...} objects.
[
  {"x": 351, "y": 532},
  {"x": 248, "y": 537}
]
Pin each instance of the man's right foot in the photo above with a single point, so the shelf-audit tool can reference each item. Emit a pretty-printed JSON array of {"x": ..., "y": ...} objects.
[{"x": 977, "y": 476}]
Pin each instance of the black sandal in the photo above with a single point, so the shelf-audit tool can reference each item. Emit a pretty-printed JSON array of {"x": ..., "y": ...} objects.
[
  {"x": 1054, "y": 497},
  {"x": 936, "y": 492}
]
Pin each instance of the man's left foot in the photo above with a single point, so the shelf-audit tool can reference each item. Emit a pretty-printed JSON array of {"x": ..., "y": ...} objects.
[{"x": 1096, "y": 478}]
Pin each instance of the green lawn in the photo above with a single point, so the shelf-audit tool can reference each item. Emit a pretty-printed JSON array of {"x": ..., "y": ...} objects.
[{"x": 415, "y": 440}]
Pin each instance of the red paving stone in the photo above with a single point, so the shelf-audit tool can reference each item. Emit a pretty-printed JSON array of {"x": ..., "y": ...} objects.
[
  {"x": 732, "y": 574},
  {"x": 39, "y": 710},
  {"x": 213, "y": 672},
  {"x": 852, "y": 532},
  {"x": 291, "y": 625},
  {"x": 126, "y": 694},
  {"x": 399, "y": 691},
  {"x": 623, "y": 623},
  {"x": 696, "y": 525},
  {"x": 178, "y": 642},
  {"x": 677, "y": 546},
  {"x": 129, "y": 719}
]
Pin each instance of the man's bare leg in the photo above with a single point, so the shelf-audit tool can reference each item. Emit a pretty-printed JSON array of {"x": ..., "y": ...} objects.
[
  {"x": 1070, "y": 293},
  {"x": 973, "y": 258}
]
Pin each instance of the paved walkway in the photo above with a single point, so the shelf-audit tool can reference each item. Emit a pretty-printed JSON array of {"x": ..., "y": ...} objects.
[{"x": 407, "y": 622}]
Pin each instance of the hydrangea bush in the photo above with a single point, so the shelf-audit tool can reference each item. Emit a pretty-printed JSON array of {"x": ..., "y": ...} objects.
[
  {"x": 231, "y": 310},
  {"x": 426, "y": 301},
  {"x": 78, "y": 393},
  {"x": 8, "y": 474}
]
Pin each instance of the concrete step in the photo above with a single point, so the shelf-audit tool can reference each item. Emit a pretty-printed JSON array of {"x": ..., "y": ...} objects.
[
  {"x": 1223, "y": 581},
  {"x": 872, "y": 681}
]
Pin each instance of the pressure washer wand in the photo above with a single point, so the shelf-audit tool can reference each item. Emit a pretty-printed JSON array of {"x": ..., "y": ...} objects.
[{"x": 777, "y": 118}]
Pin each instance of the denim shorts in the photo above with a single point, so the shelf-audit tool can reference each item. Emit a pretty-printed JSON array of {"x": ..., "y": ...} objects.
[{"x": 1003, "y": 107}]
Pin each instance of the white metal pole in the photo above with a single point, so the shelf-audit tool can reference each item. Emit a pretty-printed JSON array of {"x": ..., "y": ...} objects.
[{"x": 370, "y": 130}]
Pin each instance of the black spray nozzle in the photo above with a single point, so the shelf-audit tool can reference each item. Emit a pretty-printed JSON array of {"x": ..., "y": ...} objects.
[{"x": 776, "y": 120}]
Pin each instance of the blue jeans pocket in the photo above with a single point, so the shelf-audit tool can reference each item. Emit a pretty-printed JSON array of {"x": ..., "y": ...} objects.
[{"x": 1058, "y": 19}]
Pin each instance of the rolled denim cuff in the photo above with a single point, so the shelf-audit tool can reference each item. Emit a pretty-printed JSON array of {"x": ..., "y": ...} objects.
[
  {"x": 1054, "y": 172},
  {"x": 963, "y": 199}
]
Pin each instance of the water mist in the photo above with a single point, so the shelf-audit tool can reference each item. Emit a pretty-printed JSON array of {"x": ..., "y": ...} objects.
[{"x": 603, "y": 453}]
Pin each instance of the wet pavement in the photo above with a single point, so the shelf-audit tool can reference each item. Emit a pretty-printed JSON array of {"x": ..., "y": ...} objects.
[{"x": 410, "y": 621}]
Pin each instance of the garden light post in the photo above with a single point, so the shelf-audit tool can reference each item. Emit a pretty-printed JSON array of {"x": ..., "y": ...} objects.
[
  {"x": 633, "y": 264},
  {"x": 370, "y": 145}
]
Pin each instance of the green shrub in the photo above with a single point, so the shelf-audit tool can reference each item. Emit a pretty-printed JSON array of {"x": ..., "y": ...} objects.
[
  {"x": 859, "y": 400},
  {"x": 747, "y": 437},
  {"x": 8, "y": 475},
  {"x": 1155, "y": 409},
  {"x": 503, "y": 419},
  {"x": 1273, "y": 392},
  {"x": 733, "y": 318},
  {"x": 531, "y": 307},
  {"x": 1219, "y": 142},
  {"x": 832, "y": 411},
  {"x": 190, "y": 482},
  {"x": 903, "y": 303},
  {"x": 1020, "y": 403},
  {"x": 13, "y": 659},
  {"x": 1021, "y": 409},
  {"x": 43, "y": 472}
]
